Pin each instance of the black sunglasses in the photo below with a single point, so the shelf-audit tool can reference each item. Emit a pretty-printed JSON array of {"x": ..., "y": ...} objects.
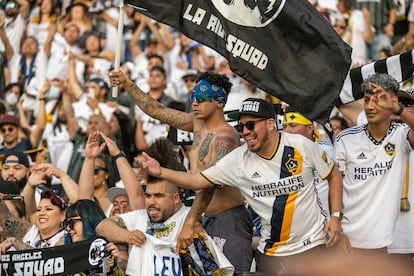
[
  {"x": 70, "y": 222},
  {"x": 7, "y": 129},
  {"x": 97, "y": 169},
  {"x": 249, "y": 125}
]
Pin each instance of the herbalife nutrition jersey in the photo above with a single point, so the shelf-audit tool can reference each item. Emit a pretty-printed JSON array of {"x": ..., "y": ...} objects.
[
  {"x": 373, "y": 177},
  {"x": 281, "y": 191}
]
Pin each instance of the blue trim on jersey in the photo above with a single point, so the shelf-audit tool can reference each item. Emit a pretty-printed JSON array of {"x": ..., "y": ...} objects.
[
  {"x": 279, "y": 204},
  {"x": 276, "y": 221},
  {"x": 324, "y": 142},
  {"x": 352, "y": 130}
]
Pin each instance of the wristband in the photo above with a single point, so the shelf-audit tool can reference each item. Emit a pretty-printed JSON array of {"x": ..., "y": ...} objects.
[
  {"x": 42, "y": 99},
  {"x": 119, "y": 155},
  {"x": 399, "y": 110}
]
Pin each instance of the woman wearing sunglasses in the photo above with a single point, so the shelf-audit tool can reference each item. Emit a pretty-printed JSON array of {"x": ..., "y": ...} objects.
[
  {"x": 46, "y": 230},
  {"x": 82, "y": 217}
]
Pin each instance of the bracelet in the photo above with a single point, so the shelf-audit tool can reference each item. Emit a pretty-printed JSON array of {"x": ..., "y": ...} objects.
[
  {"x": 42, "y": 99},
  {"x": 398, "y": 113},
  {"x": 119, "y": 155}
]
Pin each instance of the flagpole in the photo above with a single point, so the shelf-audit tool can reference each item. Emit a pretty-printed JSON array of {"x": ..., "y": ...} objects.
[{"x": 119, "y": 40}]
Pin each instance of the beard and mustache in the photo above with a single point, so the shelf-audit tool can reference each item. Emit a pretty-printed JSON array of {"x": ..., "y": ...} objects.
[{"x": 21, "y": 182}]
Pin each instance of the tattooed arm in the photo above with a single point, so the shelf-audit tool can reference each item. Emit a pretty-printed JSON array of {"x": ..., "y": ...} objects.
[
  {"x": 210, "y": 151},
  {"x": 152, "y": 107},
  {"x": 12, "y": 226},
  {"x": 13, "y": 242},
  {"x": 114, "y": 229}
]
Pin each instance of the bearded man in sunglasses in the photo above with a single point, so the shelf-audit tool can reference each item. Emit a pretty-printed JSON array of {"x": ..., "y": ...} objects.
[
  {"x": 225, "y": 219},
  {"x": 275, "y": 173}
]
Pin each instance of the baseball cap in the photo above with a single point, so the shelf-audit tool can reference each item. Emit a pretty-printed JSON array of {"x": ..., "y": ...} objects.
[
  {"x": 406, "y": 94},
  {"x": 21, "y": 158},
  {"x": 255, "y": 107},
  {"x": 190, "y": 73},
  {"x": 9, "y": 119},
  {"x": 114, "y": 192},
  {"x": 100, "y": 82}
]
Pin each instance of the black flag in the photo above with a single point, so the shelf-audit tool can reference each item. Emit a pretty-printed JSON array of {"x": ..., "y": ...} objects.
[{"x": 284, "y": 47}]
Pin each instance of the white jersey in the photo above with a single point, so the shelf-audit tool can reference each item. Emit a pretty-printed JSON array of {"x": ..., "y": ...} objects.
[
  {"x": 373, "y": 176},
  {"x": 281, "y": 190},
  {"x": 138, "y": 220},
  {"x": 158, "y": 257},
  {"x": 403, "y": 234}
]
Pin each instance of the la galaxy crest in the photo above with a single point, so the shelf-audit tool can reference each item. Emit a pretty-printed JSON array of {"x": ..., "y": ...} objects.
[
  {"x": 389, "y": 148},
  {"x": 250, "y": 13},
  {"x": 292, "y": 165}
]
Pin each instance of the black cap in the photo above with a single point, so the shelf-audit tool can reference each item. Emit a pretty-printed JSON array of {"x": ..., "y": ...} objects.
[
  {"x": 21, "y": 158},
  {"x": 255, "y": 107}
]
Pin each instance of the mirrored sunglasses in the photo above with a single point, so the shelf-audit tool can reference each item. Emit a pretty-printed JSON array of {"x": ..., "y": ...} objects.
[
  {"x": 200, "y": 98},
  {"x": 10, "y": 5}
]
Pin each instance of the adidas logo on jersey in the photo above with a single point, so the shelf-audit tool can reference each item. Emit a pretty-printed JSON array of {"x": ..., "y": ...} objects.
[
  {"x": 361, "y": 156},
  {"x": 256, "y": 175}
]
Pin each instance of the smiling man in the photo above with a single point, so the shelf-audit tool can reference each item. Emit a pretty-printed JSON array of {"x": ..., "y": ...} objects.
[
  {"x": 373, "y": 157},
  {"x": 275, "y": 173}
]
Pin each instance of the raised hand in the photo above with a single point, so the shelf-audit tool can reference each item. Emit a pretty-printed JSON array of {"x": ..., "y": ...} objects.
[
  {"x": 149, "y": 164},
  {"x": 92, "y": 148}
]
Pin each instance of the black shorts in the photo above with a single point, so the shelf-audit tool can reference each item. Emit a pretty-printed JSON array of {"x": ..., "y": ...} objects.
[{"x": 232, "y": 230}]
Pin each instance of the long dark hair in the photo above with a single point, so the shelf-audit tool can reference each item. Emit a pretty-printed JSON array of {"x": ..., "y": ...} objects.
[{"x": 91, "y": 214}]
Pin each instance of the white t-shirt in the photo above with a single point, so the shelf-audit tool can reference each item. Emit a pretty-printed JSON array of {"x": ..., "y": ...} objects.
[
  {"x": 138, "y": 220},
  {"x": 373, "y": 177},
  {"x": 281, "y": 190}
]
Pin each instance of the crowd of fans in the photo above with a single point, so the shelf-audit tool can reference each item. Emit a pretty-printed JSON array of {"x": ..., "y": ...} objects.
[{"x": 70, "y": 150}]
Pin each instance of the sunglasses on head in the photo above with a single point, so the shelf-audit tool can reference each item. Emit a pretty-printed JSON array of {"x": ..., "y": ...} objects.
[
  {"x": 7, "y": 129},
  {"x": 97, "y": 169},
  {"x": 200, "y": 98},
  {"x": 249, "y": 125},
  {"x": 70, "y": 222}
]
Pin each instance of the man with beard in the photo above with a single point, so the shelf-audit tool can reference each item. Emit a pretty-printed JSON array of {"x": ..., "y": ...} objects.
[
  {"x": 162, "y": 218},
  {"x": 15, "y": 169}
]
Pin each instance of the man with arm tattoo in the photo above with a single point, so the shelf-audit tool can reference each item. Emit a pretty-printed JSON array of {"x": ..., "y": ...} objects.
[{"x": 226, "y": 219}]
